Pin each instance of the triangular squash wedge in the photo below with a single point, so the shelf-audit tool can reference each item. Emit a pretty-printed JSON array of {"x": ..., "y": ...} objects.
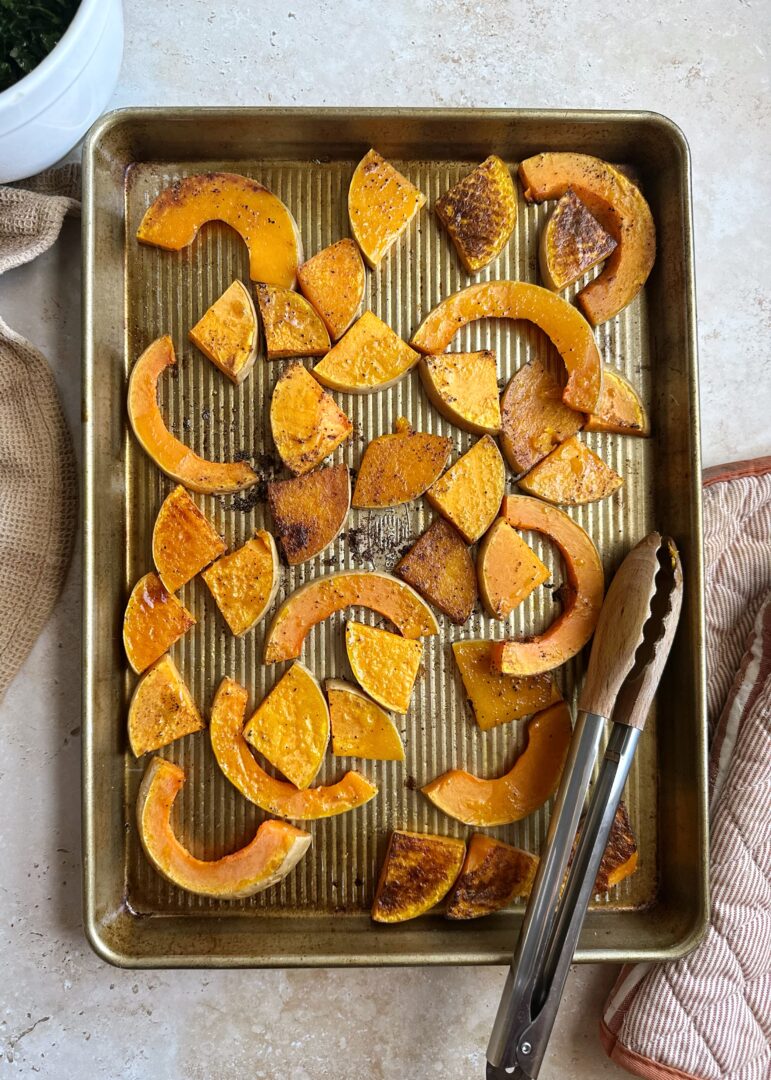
[
  {"x": 417, "y": 872},
  {"x": 184, "y": 541},
  {"x": 360, "y": 728},
  {"x": 464, "y": 388},
  {"x": 495, "y": 698},
  {"x": 619, "y": 410},
  {"x": 440, "y": 567},
  {"x": 508, "y": 570},
  {"x": 305, "y": 421},
  {"x": 469, "y": 494},
  {"x": 162, "y": 709},
  {"x": 571, "y": 475},
  {"x": 310, "y": 510},
  {"x": 228, "y": 333},
  {"x": 534, "y": 418},
  {"x": 398, "y": 468},
  {"x": 245, "y": 582},
  {"x": 153, "y": 621},
  {"x": 292, "y": 327},
  {"x": 385, "y": 665},
  {"x": 572, "y": 243},
  {"x": 369, "y": 357},
  {"x": 333, "y": 280},
  {"x": 381, "y": 204},
  {"x": 479, "y": 213},
  {"x": 493, "y": 874}
]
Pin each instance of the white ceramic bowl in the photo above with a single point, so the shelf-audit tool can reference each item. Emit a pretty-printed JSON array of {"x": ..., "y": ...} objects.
[{"x": 46, "y": 113}]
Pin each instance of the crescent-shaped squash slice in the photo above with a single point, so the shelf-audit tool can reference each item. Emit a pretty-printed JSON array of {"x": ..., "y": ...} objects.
[
  {"x": 533, "y": 777},
  {"x": 417, "y": 872},
  {"x": 162, "y": 709},
  {"x": 479, "y": 213},
  {"x": 469, "y": 494},
  {"x": 583, "y": 592},
  {"x": 275, "y": 796},
  {"x": 381, "y": 204},
  {"x": 333, "y": 280},
  {"x": 534, "y": 418},
  {"x": 495, "y": 698},
  {"x": 571, "y": 475},
  {"x": 305, "y": 421},
  {"x": 275, "y": 850},
  {"x": 228, "y": 334},
  {"x": 316, "y": 601},
  {"x": 245, "y": 582},
  {"x": 360, "y": 728},
  {"x": 153, "y": 621},
  {"x": 184, "y": 541},
  {"x": 310, "y": 510},
  {"x": 569, "y": 331},
  {"x": 398, "y": 468},
  {"x": 619, "y": 410},
  {"x": 493, "y": 874},
  {"x": 618, "y": 206},
  {"x": 258, "y": 216},
  {"x": 168, "y": 453},
  {"x": 292, "y": 327},
  {"x": 385, "y": 665},
  {"x": 369, "y": 357}
]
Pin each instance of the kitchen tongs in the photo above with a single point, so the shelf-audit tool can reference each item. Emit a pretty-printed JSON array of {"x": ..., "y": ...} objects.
[{"x": 631, "y": 644}]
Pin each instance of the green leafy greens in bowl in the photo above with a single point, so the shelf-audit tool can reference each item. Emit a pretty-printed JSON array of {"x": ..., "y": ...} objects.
[{"x": 29, "y": 30}]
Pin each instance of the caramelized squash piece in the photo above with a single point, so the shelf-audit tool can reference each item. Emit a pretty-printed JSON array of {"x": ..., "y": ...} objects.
[
  {"x": 479, "y": 213},
  {"x": 532, "y": 779},
  {"x": 323, "y": 596},
  {"x": 464, "y": 388},
  {"x": 571, "y": 475},
  {"x": 582, "y": 593},
  {"x": 360, "y": 728},
  {"x": 162, "y": 709},
  {"x": 154, "y": 620},
  {"x": 493, "y": 874},
  {"x": 292, "y": 327},
  {"x": 440, "y": 567},
  {"x": 572, "y": 242},
  {"x": 470, "y": 492},
  {"x": 168, "y": 453},
  {"x": 184, "y": 542},
  {"x": 619, "y": 410},
  {"x": 270, "y": 794},
  {"x": 275, "y": 850},
  {"x": 417, "y": 872},
  {"x": 534, "y": 418},
  {"x": 369, "y": 357},
  {"x": 291, "y": 726},
  {"x": 244, "y": 584},
  {"x": 306, "y": 423},
  {"x": 619, "y": 207},
  {"x": 381, "y": 204},
  {"x": 309, "y": 511},
  {"x": 495, "y": 698},
  {"x": 398, "y": 468},
  {"x": 228, "y": 333},
  {"x": 508, "y": 570},
  {"x": 385, "y": 665},
  {"x": 257, "y": 215},
  {"x": 570, "y": 333},
  {"x": 333, "y": 280},
  {"x": 619, "y": 860}
]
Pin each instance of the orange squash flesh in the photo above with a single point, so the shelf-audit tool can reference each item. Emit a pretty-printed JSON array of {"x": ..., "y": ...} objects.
[
  {"x": 619, "y": 860},
  {"x": 245, "y": 582},
  {"x": 333, "y": 280},
  {"x": 385, "y": 665},
  {"x": 257, "y": 215},
  {"x": 571, "y": 475},
  {"x": 584, "y": 591},
  {"x": 619, "y": 410},
  {"x": 464, "y": 388},
  {"x": 381, "y": 204},
  {"x": 532, "y": 779},
  {"x": 369, "y": 357},
  {"x": 309, "y": 511},
  {"x": 275, "y": 796},
  {"x": 323, "y": 596},
  {"x": 440, "y": 567},
  {"x": 479, "y": 213},
  {"x": 469, "y": 494},
  {"x": 495, "y": 698},
  {"x": 572, "y": 243},
  {"x": 493, "y": 874},
  {"x": 275, "y": 850},
  {"x": 619, "y": 207},
  {"x": 292, "y": 327},
  {"x": 153, "y": 621},
  {"x": 161, "y": 710},
  {"x": 508, "y": 570},
  {"x": 569, "y": 331},
  {"x": 534, "y": 418},
  {"x": 228, "y": 333},
  {"x": 184, "y": 542},
  {"x": 398, "y": 468},
  {"x": 305, "y": 421},
  {"x": 168, "y": 453},
  {"x": 360, "y": 728},
  {"x": 417, "y": 872}
]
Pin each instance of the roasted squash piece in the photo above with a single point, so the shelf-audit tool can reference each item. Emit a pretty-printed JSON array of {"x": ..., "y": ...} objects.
[
  {"x": 534, "y": 418},
  {"x": 440, "y": 567},
  {"x": 184, "y": 542},
  {"x": 470, "y": 492},
  {"x": 154, "y": 620},
  {"x": 381, "y": 204},
  {"x": 417, "y": 872},
  {"x": 228, "y": 333},
  {"x": 305, "y": 422},
  {"x": 619, "y": 410},
  {"x": 571, "y": 475},
  {"x": 360, "y": 728},
  {"x": 292, "y": 327},
  {"x": 168, "y": 453},
  {"x": 290, "y": 727},
  {"x": 493, "y": 874},
  {"x": 532, "y": 779},
  {"x": 258, "y": 216},
  {"x": 309, "y": 511},
  {"x": 619, "y": 860},
  {"x": 508, "y": 570},
  {"x": 244, "y": 584},
  {"x": 333, "y": 280},
  {"x": 495, "y": 698},
  {"x": 398, "y": 468},
  {"x": 369, "y": 357},
  {"x": 570, "y": 333},
  {"x": 385, "y": 665},
  {"x": 582, "y": 593},
  {"x": 161, "y": 710},
  {"x": 464, "y": 388},
  {"x": 479, "y": 213},
  {"x": 322, "y": 597},
  {"x": 270, "y": 794},
  {"x": 275, "y": 850},
  {"x": 572, "y": 242},
  {"x": 618, "y": 206}
]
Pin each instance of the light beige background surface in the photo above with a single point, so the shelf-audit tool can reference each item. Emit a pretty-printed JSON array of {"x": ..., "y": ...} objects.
[{"x": 65, "y": 1014}]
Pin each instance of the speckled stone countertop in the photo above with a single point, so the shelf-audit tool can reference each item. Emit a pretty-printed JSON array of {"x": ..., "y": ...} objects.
[{"x": 63, "y": 1012}]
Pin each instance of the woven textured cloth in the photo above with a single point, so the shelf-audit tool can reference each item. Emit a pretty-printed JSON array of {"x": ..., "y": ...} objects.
[
  {"x": 38, "y": 479},
  {"x": 708, "y": 1016}
]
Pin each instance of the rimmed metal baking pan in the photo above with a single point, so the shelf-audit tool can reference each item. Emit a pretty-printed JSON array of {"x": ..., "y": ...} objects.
[{"x": 132, "y": 294}]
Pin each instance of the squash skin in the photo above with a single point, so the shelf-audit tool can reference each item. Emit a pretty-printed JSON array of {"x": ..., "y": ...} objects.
[
  {"x": 309, "y": 511},
  {"x": 398, "y": 468},
  {"x": 585, "y": 589},
  {"x": 275, "y": 796},
  {"x": 161, "y": 710},
  {"x": 479, "y": 213},
  {"x": 369, "y": 357},
  {"x": 498, "y": 699},
  {"x": 493, "y": 874},
  {"x": 360, "y": 728},
  {"x": 228, "y": 333},
  {"x": 469, "y": 494},
  {"x": 534, "y": 418},
  {"x": 333, "y": 280},
  {"x": 463, "y": 387},
  {"x": 571, "y": 475},
  {"x": 292, "y": 326},
  {"x": 417, "y": 872},
  {"x": 561, "y": 322},
  {"x": 245, "y": 582},
  {"x": 385, "y": 665},
  {"x": 153, "y": 621},
  {"x": 168, "y": 453},
  {"x": 619, "y": 860},
  {"x": 619, "y": 207},
  {"x": 305, "y": 421},
  {"x": 508, "y": 570},
  {"x": 184, "y": 541},
  {"x": 619, "y": 410},
  {"x": 440, "y": 567},
  {"x": 381, "y": 204},
  {"x": 572, "y": 243},
  {"x": 258, "y": 216},
  {"x": 275, "y": 850},
  {"x": 320, "y": 598}
]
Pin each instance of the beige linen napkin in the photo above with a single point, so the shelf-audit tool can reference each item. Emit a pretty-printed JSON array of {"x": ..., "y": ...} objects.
[{"x": 38, "y": 480}]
